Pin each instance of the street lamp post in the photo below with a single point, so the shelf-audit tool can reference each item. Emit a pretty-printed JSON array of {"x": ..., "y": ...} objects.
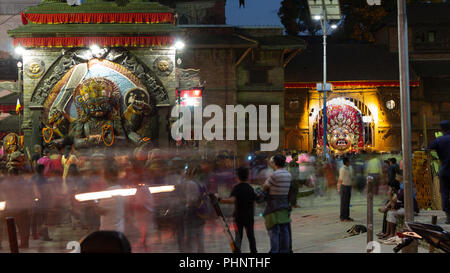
[
  {"x": 179, "y": 46},
  {"x": 323, "y": 10},
  {"x": 19, "y": 88},
  {"x": 324, "y": 89},
  {"x": 19, "y": 50},
  {"x": 405, "y": 114}
]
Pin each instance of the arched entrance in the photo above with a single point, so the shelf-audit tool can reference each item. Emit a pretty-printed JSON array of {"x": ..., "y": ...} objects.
[{"x": 350, "y": 126}]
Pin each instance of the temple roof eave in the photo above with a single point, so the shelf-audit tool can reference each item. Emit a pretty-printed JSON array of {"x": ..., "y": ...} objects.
[
  {"x": 35, "y": 30},
  {"x": 99, "y": 7}
]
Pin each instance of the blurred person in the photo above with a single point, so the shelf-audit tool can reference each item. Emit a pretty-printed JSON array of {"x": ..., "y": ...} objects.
[
  {"x": 73, "y": 180},
  {"x": 395, "y": 207},
  {"x": 442, "y": 146},
  {"x": 19, "y": 200},
  {"x": 223, "y": 176},
  {"x": 112, "y": 210},
  {"x": 89, "y": 218},
  {"x": 243, "y": 197},
  {"x": 205, "y": 175},
  {"x": 392, "y": 171},
  {"x": 68, "y": 158},
  {"x": 142, "y": 204},
  {"x": 317, "y": 177},
  {"x": 259, "y": 169},
  {"x": 54, "y": 166},
  {"x": 37, "y": 155},
  {"x": 304, "y": 175},
  {"x": 389, "y": 204},
  {"x": 177, "y": 205},
  {"x": 330, "y": 170},
  {"x": 293, "y": 168},
  {"x": 358, "y": 167},
  {"x": 53, "y": 172},
  {"x": 2, "y": 212},
  {"x": 157, "y": 175},
  {"x": 43, "y": 205},
  {"x": 373, "y": 168},
  {"x": 344, "y": 188},
  {"x": 385, "y": 166},
  {"x": 194, "y": 202},
  {"x": 277, "y": 210},
  {"x": 96, "y": 180}
]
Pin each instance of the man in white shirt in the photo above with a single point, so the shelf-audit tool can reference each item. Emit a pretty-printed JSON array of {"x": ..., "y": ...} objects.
[{"x": 344, "y": 187}]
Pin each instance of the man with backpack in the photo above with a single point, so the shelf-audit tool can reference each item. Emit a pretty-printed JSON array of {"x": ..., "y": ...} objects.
[
  {"x": 243, "y": 196},
  {"x": 277, "y": 211}
]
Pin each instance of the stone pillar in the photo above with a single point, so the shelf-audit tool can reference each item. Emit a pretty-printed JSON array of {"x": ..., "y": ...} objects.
[
  {"x": 164, "y": 130},
  {"x": 36, "y": 63}
]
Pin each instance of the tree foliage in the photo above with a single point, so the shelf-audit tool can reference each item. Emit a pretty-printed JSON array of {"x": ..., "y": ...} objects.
[
  {"x": 296, "y": 18},
  {"x": 360, "y": 21}
]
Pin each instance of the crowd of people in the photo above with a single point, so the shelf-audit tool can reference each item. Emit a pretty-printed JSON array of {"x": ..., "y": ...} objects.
[{"x": 43, "y": 193}]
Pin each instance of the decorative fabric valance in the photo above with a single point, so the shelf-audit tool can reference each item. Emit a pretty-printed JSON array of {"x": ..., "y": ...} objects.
[
  {"x": 143, "y": 41},
  {"x": 97, "y": 18},
  {"x": 352, "y": 84}
]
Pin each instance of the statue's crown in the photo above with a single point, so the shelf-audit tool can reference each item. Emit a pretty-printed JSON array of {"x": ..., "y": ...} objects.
[{"x": 92, "y": 89}]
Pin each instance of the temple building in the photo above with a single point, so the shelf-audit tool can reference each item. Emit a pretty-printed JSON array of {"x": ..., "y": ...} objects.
[
  {"x": 365, "y": 85},
  {"x": 365, "y": 80},
  {"x": 101, "y": 72}
]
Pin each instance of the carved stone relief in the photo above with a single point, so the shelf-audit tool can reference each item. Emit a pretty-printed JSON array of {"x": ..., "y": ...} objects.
[
  {"x": 163, "y": 66},
  {"x": 35, "y": 68},
  {"x": 190, "y": 78},
  {"x": 117, "y": 55}
]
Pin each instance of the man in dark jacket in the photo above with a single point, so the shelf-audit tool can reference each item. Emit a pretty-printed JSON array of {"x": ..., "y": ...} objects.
[
  {"x": 392, "y": 171},
  {"x": 243, "y": 196},
  {"x": 442, "y": 146}
]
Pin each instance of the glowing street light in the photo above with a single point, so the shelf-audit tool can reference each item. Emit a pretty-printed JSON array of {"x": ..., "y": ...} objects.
[
  {"x": 179, "y": 45},
  {"x": 19, "y": 50}
]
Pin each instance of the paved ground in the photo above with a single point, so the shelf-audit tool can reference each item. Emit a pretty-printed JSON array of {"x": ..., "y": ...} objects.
[{"x": 315, "y": 226}]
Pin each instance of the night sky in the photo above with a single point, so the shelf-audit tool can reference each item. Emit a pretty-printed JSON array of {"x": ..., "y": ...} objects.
[{"x": 255, "y": 13}]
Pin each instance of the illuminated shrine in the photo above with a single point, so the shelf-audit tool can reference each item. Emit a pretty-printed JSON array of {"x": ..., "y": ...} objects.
[{"x": 101, "y": 73}]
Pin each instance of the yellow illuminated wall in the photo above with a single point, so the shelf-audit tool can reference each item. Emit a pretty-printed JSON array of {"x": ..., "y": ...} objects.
[{"x": 385, "y": 126}]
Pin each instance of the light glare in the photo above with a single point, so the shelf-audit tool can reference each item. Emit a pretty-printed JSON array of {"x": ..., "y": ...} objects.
[
  {"x": 119, "y": 192},
  {"x": 179, "y": 45},
  {"x": 19, "y": 50}
]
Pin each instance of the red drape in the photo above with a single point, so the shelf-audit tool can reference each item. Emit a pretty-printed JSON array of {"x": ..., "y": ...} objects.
[
  {"x": 143, "y": 41},
  {"x": 351, "y": 84},
  {"x": 96, "y": 18},
  {"x": 8, "y": 108}
]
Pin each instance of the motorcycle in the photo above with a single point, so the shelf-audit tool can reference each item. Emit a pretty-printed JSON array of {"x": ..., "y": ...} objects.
[{"x": 432, "y": 234}]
